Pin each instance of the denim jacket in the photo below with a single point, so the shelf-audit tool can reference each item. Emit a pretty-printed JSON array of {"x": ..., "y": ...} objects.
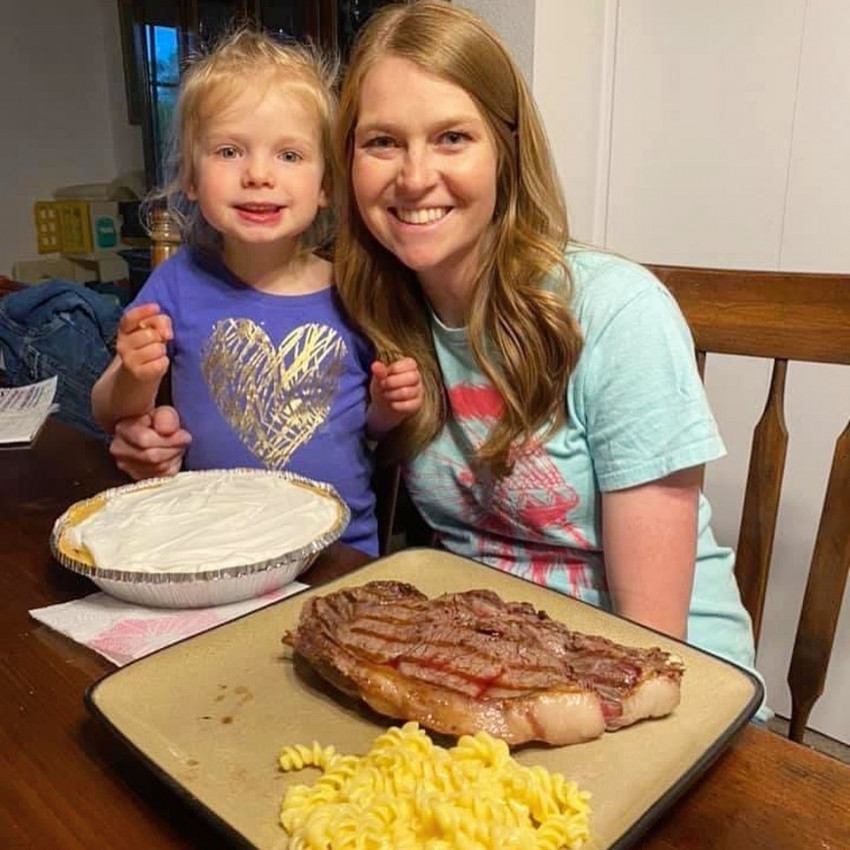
[{"x": 62, "y": 329}]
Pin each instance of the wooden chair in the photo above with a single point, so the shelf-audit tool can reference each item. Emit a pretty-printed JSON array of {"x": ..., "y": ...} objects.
[
  {"x": 165, "y": 236},
  {"x": 780, "y": 316}
]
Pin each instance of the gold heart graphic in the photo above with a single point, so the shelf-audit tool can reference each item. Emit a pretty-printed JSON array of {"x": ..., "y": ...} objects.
[{"x": 273, "y": 399}]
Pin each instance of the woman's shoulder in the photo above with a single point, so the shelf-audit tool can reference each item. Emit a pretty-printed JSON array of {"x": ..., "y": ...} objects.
[
  {"x": 597, "y": 273},
  {"x": 604, "y": 283}
]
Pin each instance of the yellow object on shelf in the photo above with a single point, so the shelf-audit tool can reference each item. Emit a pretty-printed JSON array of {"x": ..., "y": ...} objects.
[
  {"x": 76, "y": 226},
  {"x": 47, "y": 227}
]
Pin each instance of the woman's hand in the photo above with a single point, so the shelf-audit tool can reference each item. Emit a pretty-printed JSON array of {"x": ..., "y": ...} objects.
[{"x": 150, "y": 445}]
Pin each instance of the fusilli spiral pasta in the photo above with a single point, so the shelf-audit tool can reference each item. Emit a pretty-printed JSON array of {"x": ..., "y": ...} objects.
[{"x": 407, "y": 793}]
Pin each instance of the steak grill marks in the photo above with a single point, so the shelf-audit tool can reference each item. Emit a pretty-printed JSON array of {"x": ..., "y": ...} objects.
[{"x": 472, "y": 643}]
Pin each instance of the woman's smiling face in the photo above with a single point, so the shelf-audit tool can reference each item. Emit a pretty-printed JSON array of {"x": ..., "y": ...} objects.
[{"x": 424, "y": 169}]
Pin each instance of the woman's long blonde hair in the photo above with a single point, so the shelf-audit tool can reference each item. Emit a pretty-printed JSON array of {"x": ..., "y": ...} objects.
[
  {"x": 522, "y": 333},
  {"x": 245, "y": 59}
]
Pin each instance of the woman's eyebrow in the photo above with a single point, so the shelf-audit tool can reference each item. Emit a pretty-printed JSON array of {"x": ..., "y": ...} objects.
[{"x": 381, "y": 126}]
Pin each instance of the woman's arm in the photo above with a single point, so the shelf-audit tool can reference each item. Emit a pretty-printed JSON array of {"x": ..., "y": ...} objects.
[{"x": 649, "y": 539}]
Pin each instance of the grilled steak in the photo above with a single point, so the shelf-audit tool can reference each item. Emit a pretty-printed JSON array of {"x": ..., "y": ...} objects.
[{"x": 465, "y": 662}]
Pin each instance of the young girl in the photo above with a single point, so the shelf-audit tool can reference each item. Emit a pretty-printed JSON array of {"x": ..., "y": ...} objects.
[
  {"x": 266, "y": 370},
  {"x": 564, "y": 425}
]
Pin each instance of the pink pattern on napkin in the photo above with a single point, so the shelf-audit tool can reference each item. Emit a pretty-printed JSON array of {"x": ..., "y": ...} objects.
[
  {"x": 133, "y": 638},
  {"x": 123, "y": 632}
]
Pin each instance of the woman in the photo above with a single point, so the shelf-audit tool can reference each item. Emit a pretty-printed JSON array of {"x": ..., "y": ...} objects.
[{"x": 564, "y": 426}]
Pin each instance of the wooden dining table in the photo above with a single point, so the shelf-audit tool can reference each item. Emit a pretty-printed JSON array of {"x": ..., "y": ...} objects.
[{"x": 67, "y": 782}]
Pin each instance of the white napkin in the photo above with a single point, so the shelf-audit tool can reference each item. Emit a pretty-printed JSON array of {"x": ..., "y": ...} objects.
[{"x": 123, "y": 632}]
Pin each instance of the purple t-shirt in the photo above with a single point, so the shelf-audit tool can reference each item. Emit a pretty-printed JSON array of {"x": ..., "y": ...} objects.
[{"x": 268, "y": 381}]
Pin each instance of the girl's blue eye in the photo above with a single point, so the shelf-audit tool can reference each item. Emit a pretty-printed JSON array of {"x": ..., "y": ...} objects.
[
  {"x": 228, "y": 152},
  {"x": 291, "y": 156}
]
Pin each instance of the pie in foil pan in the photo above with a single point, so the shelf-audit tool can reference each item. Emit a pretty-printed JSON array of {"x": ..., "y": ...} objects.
[{"x": 200, "y": 538}]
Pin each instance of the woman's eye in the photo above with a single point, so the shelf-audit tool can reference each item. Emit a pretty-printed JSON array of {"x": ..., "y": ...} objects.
[
  {"x": 380, "y": 142},
  {"x": 454, "y": 137},
  {"x": 290, "y": 156}
]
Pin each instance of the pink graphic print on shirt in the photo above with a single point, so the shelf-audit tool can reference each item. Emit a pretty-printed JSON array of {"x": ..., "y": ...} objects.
[{"x": 521, "y": 523}]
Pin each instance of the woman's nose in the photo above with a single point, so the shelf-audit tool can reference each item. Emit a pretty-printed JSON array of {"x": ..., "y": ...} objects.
[
  {"x": 417, "y": 170},
  {"x": 257, "y": 172}
]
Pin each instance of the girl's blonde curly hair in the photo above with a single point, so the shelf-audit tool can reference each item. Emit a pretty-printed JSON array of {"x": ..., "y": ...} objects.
[{"x": 245, "y": 59}]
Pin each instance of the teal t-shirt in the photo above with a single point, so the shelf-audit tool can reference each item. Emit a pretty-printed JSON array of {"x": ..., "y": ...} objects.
[{"x": 637, "y": 411}]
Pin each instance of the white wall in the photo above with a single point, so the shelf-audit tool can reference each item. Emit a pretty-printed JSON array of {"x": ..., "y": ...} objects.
[
  {"x": 573, "y": 78},
  {"x": 62, "y": 101},
  {"x": 126, "y": 137},
  {"x": 817, "y": 211},
  {"x": 514, "y": 19},
  {"x": 717, "y": 134}
]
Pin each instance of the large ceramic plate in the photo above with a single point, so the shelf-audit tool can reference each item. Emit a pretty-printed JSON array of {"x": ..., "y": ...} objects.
[{"x": 211, "y": 714}]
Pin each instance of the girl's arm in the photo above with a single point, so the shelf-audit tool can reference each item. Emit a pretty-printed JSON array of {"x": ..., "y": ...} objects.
[
  {"x": 118, "y": 395},
  {"x": 129, "y": 385},
  {"x": 649, "y": 535}
]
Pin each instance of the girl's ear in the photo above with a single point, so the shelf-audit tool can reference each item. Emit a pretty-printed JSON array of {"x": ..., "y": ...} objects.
[
  {"x": 186, "y": 176},
  {"x": 323, "y": 198}
]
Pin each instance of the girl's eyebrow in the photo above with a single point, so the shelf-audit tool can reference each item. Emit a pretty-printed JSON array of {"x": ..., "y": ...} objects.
[{"x": 225, "y": 137}]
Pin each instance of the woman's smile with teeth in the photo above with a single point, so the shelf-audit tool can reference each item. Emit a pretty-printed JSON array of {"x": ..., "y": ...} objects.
[{"x": 421, "y": 216}]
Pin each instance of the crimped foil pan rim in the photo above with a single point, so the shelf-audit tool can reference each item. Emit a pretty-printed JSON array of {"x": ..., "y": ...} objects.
[{"x": 236, "y": 571}]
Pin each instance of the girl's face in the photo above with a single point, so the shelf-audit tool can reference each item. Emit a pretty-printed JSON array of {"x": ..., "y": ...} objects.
[
  {"x": 258, "y": 170},
  {"x": 424, "y": 173}
]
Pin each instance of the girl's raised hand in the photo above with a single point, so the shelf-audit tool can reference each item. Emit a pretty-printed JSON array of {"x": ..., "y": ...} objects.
[
  {"x": 142, "y": 334},
  {"x": 397, "y": 386},
  {"x": 396, "y": 392}
]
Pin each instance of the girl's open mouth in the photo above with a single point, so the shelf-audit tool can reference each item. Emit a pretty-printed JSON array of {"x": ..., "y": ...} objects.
[{"x": 258, "y": 212}]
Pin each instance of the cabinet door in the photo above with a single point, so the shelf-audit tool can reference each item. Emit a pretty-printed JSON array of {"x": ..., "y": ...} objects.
[
  {"x": 313, "y": 19},
  {"x": 351, "y": 15}
]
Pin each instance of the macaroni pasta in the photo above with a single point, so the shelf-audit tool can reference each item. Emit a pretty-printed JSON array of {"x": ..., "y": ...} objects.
[{"x": 407, "y": 793}]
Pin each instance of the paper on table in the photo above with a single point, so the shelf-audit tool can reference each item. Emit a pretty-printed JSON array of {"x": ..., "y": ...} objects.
[
  {"x": 23, "y": 410},
  {"x": 123, "y": 632}
]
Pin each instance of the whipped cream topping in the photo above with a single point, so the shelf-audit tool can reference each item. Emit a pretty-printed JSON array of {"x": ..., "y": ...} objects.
[{"x": 200, "y": 521}]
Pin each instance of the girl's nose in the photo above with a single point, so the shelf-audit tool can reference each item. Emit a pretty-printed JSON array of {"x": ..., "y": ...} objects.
[{"x": 257, "y": 172}]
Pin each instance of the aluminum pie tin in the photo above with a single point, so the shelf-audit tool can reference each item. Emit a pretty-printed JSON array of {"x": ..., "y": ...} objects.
[{"x": 195, "y": 588}]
